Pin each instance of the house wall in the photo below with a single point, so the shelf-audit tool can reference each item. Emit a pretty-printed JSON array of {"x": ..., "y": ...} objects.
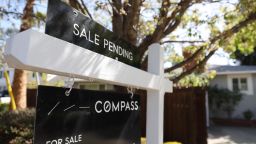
[
  {"x": 248, "y": 101},
  {"x": 220, "y": 81}
]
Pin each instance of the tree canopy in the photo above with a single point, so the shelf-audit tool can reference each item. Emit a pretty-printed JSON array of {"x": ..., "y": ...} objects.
[{"x": 198, "y": 27}]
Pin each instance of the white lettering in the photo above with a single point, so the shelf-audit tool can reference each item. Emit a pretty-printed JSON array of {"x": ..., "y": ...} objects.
[
  {"x": 115, "y": 107},
  {"x": 110, "y": 45},
  {"x": 111, "y": 106},
  {"x": 83, "y": 34},
  {"x": 93, "y": 38},
  {"x": 76, "y": 27},
  {"x": 118, "y": 49},
  {"x": 136, "y": 105},
  {"x": 130, "y": 55},
  {"x": 90, "y": 37},
  {"x": 73, "y": 139},
  {"x": 132, "y": 105},
  {"x": 58, "y": 141},
  {"x": 80, "y": 137},
  {"x": 105, "y": 43},
  {"x": 98, "y": 102},
  {"x": 96, "y": 39},
  {"x": 122, "y": 105},
  {"x": 127, "y": 108},
  {"x": 107, "y": 106}
]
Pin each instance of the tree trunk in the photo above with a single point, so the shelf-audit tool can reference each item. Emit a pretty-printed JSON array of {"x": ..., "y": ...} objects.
[
  {"x": 20, "y": 76},
  {"x": 20, "y": 88}
]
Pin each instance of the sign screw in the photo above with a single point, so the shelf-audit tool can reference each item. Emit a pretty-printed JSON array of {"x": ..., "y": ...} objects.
[{"x": 75, "y": 13}]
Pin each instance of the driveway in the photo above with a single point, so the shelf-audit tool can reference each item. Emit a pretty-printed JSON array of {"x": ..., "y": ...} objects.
[{"x": 231, "y": 135}]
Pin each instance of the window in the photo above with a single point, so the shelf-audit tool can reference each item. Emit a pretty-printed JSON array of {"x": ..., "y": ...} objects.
[
  {"x": 82, "y": 86},
  {"x": 235, "y": 84},
  {"x": 89, "y": 86},
  {"x": 96, "y": 86},
  {"x": 102, "y": 87},
  {"x": 242, "y": 83},
  {"x": 33, "y": 74},
  {"x": 239, "y": 84}
]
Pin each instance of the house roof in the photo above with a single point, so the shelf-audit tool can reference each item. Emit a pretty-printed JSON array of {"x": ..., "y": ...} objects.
[{"x": 226, "y": 69}]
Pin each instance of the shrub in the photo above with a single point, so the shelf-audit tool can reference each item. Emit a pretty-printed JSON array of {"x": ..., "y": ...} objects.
[
  {"x": 4, "y": 108},
  {"x": 223, "y": 99},
  {"x": 248, "y": 115},
  {"x": 16, "y": 127}
]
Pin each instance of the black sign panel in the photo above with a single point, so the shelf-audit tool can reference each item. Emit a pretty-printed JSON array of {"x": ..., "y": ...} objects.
[
  {"x": 86, "y": 117},
  {"x": 68, "y": 24}
]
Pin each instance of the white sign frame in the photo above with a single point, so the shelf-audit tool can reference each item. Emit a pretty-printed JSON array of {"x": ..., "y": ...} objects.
[{"x": 36, "y": 51}]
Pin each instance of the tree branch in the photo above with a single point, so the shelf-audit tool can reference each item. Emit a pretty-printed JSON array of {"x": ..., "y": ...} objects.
[
  {"x": 157, "y": 34},
  {"x": 224, "y": 35},
  {"x": 165, "y": 24},
  {"x": 86, "y": 9},
  {"x": 175, "y": 18},
  {"x": 19, "y": 14},
  {"x": 114, "y": 8},
  {"x": 187, "y": 72},
  {"x": 182, "y": 41},
  {"x": 194, "y": 55},
  {"x": 75, "y": 4},
  {"x": 117, "y": 18},
  {"x": 132, "y": 8},
  {"x": 27, "y": 19},
  {"x": 227, "y": 33}
]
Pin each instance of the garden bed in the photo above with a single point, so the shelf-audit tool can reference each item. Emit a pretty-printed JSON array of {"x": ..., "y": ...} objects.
[{"x": 234, "y": 122}]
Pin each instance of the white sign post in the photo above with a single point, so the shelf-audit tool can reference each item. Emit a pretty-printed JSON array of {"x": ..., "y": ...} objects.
[
  {"x": 155, "y": 98},
  {"x": 35, "y": 51}
]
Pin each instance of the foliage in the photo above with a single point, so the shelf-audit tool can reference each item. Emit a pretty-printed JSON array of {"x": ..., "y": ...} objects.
[
  {"x": 16, "y": 127},
  {"x": 230, "y": 26},
  {"x": 4, "y": 108},
  {"x": 248, "y": 115},
  {"x": 223, "y": 100},
  {"x": 242, "y": 45},
  {"x": 197, "y": 79},
  {"x": 33, "y": 84},
  {"x": 143, "y": 141},
  {"x": 145, "y": 22},
  {"x": 245, "y": 59}
]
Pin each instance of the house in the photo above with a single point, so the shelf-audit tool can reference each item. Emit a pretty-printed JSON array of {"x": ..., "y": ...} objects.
[
  {"x": 45, "y": 79},
  {"x": 241, "y": 78},
  {"x": 52, "y": 80}
]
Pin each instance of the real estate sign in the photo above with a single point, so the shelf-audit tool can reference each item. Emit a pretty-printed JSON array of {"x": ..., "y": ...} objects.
[
  {"x": 74, "y": 45},
  {"x": 86, "y": 117},
  {"x": 68, "y": 24}
]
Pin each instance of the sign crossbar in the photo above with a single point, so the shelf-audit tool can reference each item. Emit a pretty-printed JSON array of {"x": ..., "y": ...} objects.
[{"x": 36, "y": 51}]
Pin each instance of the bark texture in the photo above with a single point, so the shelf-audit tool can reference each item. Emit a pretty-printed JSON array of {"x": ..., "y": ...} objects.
[{"x": 20, "y": 76}]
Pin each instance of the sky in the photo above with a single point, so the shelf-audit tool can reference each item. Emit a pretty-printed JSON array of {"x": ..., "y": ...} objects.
[
  {"x": 208, "y": 10},
  {"x": 220, "y": 58}
]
